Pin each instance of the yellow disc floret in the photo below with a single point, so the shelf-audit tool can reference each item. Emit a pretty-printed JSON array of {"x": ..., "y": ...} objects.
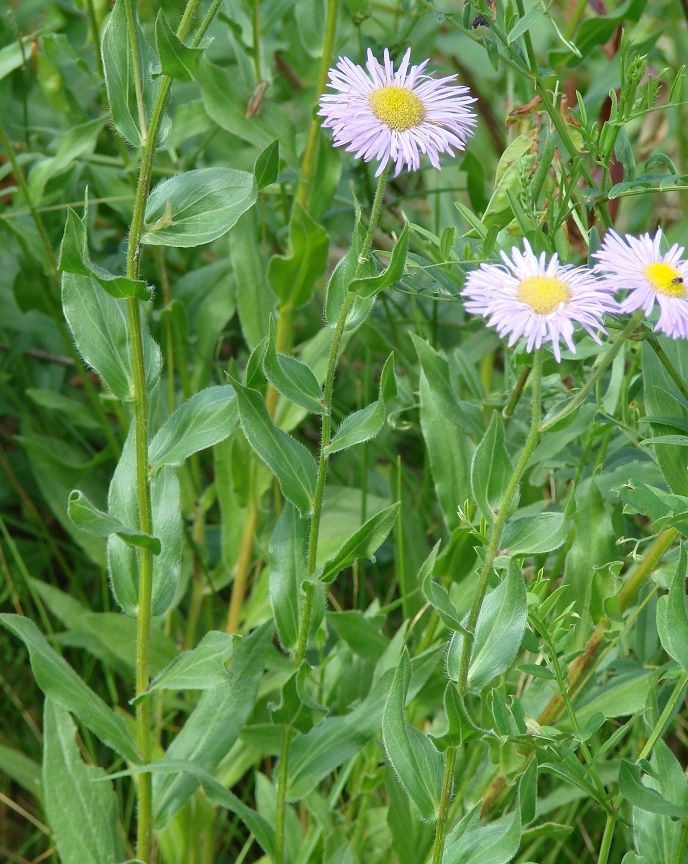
[
  {"x": 397, "y": 107},
  {"x": 543, "y": 293},
  {"x": 665, "y": 279}
]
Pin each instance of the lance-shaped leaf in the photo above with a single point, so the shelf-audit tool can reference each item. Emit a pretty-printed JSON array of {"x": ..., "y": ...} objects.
[
  {"x": 416, "y": 761},
  {"x": 266, "y": 168},
  {"x": 363, "y": 544},
  {"x": 293, "y": 276},
  {"x": 634, "y": 791},
  {"x": 365, "y": 424},
  {"x": 437, "y": 595},
  {"x": 286, "y": 457},
  {"x": 80, "y": 803},
  {"x": 672, "y": 615},
  {"x": 176, "y": 59},
  {"x": 460, "y": 726},
  {"x": 369, "y": 286},
  {"x": 131, "y": 87},
  {"x": 291, "y": 377},
  {"x": 491, "y": 470},
  {"x": 100, "y": 329},
  {"x": 202, "y": 668},
  {"x": 203, "y": 420},
  {"x": 287, "y": 556},
  {"x": 496, "y": 843},
  {"x": 85, "y": 515},
  {"x": 215, "y": 723},
  {"x": 198, "y": 206},
  {"x": 344, "y": 272},
  {"x": 60, "y": 682},
  {"x": 74, "y": 258}
]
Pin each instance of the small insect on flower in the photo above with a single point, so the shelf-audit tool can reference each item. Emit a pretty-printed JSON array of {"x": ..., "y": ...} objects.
[
  {"x": 636, "y": 265},
  {"x": 538, "y": 300},
  {"x": 383, "y": 115}
]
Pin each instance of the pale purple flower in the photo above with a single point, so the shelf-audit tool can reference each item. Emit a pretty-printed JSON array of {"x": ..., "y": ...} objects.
[
  {"x": 636, "y": 265},
  {"x": 383, "y": 115},
  {"x": 539, "y": 301}
]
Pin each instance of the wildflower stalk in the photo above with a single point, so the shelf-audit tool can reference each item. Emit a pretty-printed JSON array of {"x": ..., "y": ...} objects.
[
  {"x": 149, "y": 131},
  {"x": 306, "y": 610},
  {"x": 481, "y": 590}
]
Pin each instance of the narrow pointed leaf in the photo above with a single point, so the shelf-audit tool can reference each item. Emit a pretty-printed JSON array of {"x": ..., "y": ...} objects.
[
  {"x": 89, "y": 518},
  {"x": 176, "y": 59},
  {"x": 363, "y": 544}
]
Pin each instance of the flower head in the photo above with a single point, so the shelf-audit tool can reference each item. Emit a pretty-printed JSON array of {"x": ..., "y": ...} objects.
[
  {"x": 636, "y": 265},
  {"x": 539, "y": 301},
  {"x": 383, "y": 115}
]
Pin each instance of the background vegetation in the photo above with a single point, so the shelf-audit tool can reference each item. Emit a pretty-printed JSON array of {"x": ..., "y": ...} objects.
[{"x": 569, "y": 742}]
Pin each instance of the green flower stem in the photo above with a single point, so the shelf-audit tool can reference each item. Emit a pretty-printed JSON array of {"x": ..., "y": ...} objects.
[
  {"x": 607, "y": 837},
  {"x": 500, "y": 521},
  {"x": 140, "y": 399},
  {"x": 304, "y": 623},
  {"x": 598, "y": 368},
  {"x": 308, "y": 162},
  {"x": 483, "y": 581},
  {"x": 281, "y": 811}
]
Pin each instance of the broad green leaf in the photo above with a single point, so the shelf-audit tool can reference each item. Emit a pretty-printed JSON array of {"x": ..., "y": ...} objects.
[
  {"x": 247, "y": 258},
  {"x": 360, "y": 632},
  {"x": 131, "y": 102},
  {"x": 287, "y": 554},
  {"x": 176, "y": 59},
  {"x": 370, "y": 286},
  {"x": 203, "y": 420},
  {"x": 416, "y": 761},
  {"x": 311, "y": 24},
  {"x": 215, "y": 723},
  {"x": 366, "y": 424},
  {"x": 639, "y": 795},
  {"x": 266, "y": 168},
  {"x": 286, "y": 457},
  {"x": 100, "y": 329},
  {"x": 672, "y": 615},
  {"x": 497, "y": 843},
  {"x": 60, "y": 682},
  {"x": 491, "y": 470},
  {"x": 89, "y": 518},
  {"x": 80, "y": 802},
  {"x": 363, "y": 544},
  {"x": 533, "y": 535},
  {"x": 198, "y": 206},
  {"x": 291, "y": 377},
  {"x": 293, "y": 276},
  {"x": 202, "y": 668},
  {"x": 123, "y": 563}
]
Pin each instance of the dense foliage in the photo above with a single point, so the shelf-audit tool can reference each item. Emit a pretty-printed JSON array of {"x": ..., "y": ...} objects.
[{"x": 300, "y": 561}]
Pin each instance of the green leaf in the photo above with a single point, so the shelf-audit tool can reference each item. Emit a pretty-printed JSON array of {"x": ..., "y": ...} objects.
[
  {"x": 437, "y": 595},
  {"x": 198, "y": 206},
  {"x": 639, "y": 795},
  {"x": 287, "y": 557},
  {"x": 672, "y": 615},
  {"x": 534, "y": 535},
  {"x": 343, "y": 273},
  {"x": 100, "y": 329},
  {"x": 248, "y": 262},
  {"x": 62, "y": 684},
  {"x": 72, "y": 144},
  {"x": 363, "y": 544},
  {"x": 293, "y": 276},
  {"x": 491, "y": 470},
  {"x": 123, "y": 563},
  {"x": 214, "y": 724},
  {"x": 131, "y": 103},
  {"x": 18, "y": 767},
  {"x": 360, "y": 632},
  {"x": 369, "y": 286},
  {"x": 202, "y": 668},
  {"x": 80, "y": 803},
  {"x": 203, "y": 420},
  {"x": 311, "y": 24},
  {"x": 365, "y": 424},
  {"x": 176, "y": 59},
  {"x": 460, "y": 727},
  {"x": 266, "y": 169},
  {"x": 416, "y": 761},
  {"x": 89, "y": 518},
  {"x": 291, "y": 377},
  {"x": 286, "y": 457},
  {"x": 496, "y": 843}
]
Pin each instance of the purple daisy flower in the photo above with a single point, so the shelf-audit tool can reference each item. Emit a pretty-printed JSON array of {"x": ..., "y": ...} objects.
[
  {"x": 636, "y": 265},
  {"x": 539, "y": 301},
  {"x": 383, "y": 115}
]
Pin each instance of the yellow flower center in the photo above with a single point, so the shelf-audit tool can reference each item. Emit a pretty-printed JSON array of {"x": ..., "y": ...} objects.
[
  {"x": 665, "y": 279},
  {"x": 543, "y": 293},
  {"x": 397, "y": 107}
]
